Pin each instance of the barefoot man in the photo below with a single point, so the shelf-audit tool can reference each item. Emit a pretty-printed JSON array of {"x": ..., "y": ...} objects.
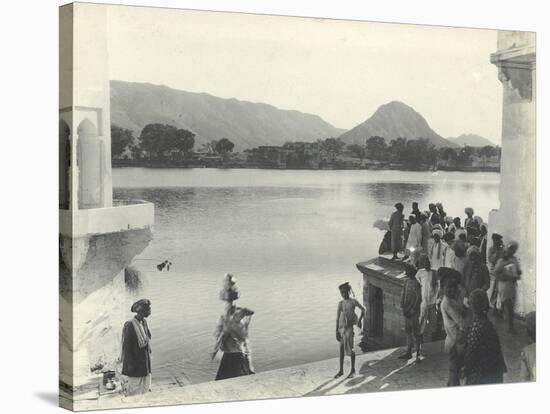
[{"x": 346, "y": 319}]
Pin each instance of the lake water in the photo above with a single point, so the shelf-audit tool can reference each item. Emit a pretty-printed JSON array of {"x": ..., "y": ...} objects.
[{"x": 290, "y": 237}]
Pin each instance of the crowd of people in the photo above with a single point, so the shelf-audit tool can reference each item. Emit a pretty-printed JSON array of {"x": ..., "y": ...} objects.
[{"x": 454, "y": 279}]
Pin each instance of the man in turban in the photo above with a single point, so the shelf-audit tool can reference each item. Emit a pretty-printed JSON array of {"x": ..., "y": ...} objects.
[
  {"x": 396, "y": 227},
  {"x": 469, "y": 220},
  {"x": 136, "y": 350},
  {"x": 435, "y": 218},
  {"x": 436, "y": 249},
  {"x": 496, "y": 251},
  {"x": 411, "y": 299},
  {"x": 507, "y": 272}
]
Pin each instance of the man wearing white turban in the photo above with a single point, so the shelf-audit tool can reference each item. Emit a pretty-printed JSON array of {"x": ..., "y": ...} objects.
[
  {"x": 507, "y": 273},
  {"x": 136, "y": 349},
  {"x": 414, "y": 241},
  {"x": 436, "y": 249}
]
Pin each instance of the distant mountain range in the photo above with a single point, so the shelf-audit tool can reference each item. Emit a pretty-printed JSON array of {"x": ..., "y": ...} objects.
[
  {"x": 472, "y": 140},
  {"x": 249, "y": 125},
  {"x": 394, "y": 120},
  {"x": 246, "y": 124}
]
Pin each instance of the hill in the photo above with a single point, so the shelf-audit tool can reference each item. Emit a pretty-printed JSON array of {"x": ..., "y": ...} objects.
[
  {"x": 246, "y": 124},
  {"x": 472, "y": 140},
  {"x": 394, "y": 120}
]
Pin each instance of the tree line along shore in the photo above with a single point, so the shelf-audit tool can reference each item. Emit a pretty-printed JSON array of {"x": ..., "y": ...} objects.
[{"x": 161, "y": 145}]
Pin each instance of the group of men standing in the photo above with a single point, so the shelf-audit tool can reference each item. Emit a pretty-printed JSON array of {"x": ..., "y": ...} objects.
[{"x": 453, "y": 278}]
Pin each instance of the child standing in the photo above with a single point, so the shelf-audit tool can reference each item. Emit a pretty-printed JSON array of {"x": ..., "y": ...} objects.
[{"x": 346, "y": 318}]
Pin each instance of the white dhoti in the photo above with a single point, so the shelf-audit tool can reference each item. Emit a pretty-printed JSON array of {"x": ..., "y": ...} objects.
[
  {"x": 136, "y": 385},
  {"x": 491, "y": 291}
]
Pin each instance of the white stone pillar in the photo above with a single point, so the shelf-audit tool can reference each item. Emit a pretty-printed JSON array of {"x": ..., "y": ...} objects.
[
  {"x": 515, "y": 219},
  {"x": 91, "y": 96}
]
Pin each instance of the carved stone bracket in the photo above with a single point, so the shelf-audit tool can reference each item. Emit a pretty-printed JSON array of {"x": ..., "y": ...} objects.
[
  {"x": 518, "y": 78},
  {"x": 516, "y": 67}
]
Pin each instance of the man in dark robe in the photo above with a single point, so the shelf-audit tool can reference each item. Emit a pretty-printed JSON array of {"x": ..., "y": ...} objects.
[
  {"x": 136, "y": 350},
  {"x": 396, "y": 227}
]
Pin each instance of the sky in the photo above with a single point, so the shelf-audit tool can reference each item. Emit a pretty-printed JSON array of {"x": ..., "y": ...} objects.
[{"x": 341, "y": 70}]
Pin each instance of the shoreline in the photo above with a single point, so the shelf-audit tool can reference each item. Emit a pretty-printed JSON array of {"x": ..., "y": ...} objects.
[{"x": 118, "y": 164}]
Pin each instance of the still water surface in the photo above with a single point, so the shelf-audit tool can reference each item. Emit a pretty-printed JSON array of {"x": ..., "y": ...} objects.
[{"x": 290, "y": 237}]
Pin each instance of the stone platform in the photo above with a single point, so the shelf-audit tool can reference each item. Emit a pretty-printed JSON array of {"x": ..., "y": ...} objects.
[{"x": 376, "y": 371}]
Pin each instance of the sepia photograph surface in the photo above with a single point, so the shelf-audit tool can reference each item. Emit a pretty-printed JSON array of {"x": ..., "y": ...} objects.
[{"x": 256, "y": 206}]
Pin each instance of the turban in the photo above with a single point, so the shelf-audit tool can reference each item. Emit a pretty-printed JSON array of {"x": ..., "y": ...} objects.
[
  {"x": 459, "y": 248},
  {"x": 448, "y": 237},
  {"x": 459, "y": 232},
  {"x": 229, "y": 291},
  {"x": 345, "y": 286},
  {"x": 140, "y": 304},
  {"x": 512, "y": 247},
  {"x": 473, "y": 251},
  {"x": 469, "y": 210},
  {"x": 496, "y": 236},
  {"x": 479, "y": 301},
  {"x": 478, "y": 220},
  {"x": 229, "y": 280},
  {"x": 448, "y": 219},
  {"x": 439, "y": 232}
]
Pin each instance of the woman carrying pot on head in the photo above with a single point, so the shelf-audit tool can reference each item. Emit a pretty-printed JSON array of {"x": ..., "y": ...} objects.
[{"x": 232, "y": 334}]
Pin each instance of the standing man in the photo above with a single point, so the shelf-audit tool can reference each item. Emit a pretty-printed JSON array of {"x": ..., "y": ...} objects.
[
  {"x": 136, "y": 350},
  {"x": 396, "y": 228},
  {"x": 426, "y": 231},
  {"x": 435, "y": 218},
  {"x": 436, "y": 249},
  {"x": 507, "y": 273},
  {"x": 416, "y": 211},
  {"x": 469, "y": 220},
  {"x": 346, "y": 319},
  {"x": 411, "y": 299},
  {"x": 496, "y": 251},
  {"x": 414, "y": 241}
]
